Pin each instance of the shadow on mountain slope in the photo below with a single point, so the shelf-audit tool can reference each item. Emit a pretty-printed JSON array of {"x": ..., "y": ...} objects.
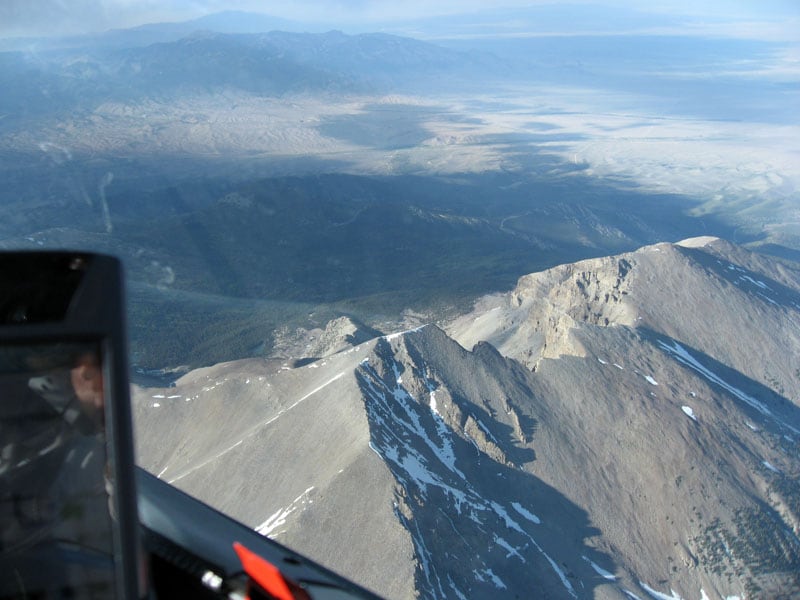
[
  {"x": 479, "y": 527},
  {"x": 448, "y": 427},
  {"x": 764, "y": 404},
  {"x": 758, "y": 542},
  {"x": 757, "y": 284}
]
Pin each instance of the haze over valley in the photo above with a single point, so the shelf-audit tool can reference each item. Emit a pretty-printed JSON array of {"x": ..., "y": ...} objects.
[{"x": 514, "y": 154}]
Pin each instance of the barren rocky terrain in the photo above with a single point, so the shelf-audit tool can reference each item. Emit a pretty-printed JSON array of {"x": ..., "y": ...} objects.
[{"x": 579, "y": 436}]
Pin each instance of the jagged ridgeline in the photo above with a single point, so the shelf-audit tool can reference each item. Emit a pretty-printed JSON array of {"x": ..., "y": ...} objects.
[
  {"x": 266, "y": 256},
  {"x": 623, "y": 427}
]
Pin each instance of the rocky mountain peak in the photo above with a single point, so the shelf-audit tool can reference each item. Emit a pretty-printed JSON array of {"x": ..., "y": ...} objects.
[{"x": 524, "y": 447}]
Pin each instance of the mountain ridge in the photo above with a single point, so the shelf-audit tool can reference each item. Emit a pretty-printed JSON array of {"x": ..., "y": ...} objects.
[{"x": 624, "y": 465}]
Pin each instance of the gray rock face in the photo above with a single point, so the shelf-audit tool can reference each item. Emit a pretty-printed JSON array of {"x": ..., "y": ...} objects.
[
  {"x": 340, "y": 334},
  {"x": 620, "y": 427}
]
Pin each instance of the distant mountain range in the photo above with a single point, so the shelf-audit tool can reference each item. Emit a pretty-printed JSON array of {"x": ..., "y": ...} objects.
[
  {"x": 154, "y": 33},
  {"x": 130, "y": 65},
  {"x": 621, "y": 427},
  {"x": 281, "y": 62},
  {"x": 261, "y": 54}
]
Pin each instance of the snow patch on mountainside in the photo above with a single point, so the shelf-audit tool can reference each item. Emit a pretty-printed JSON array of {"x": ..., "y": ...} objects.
[
  {"x": 601, "y": 571},
  {"x": 279, "y": 518},
  {"x": 658, "y": 595},
  {"x": 410, "y": 435},
  {"x": 684, "y": 357}
]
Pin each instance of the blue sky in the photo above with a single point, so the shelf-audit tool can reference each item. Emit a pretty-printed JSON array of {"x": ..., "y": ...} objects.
[{"x": 764, "y": 19}]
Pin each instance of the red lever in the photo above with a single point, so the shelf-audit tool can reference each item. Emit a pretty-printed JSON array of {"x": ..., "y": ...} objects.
[{"x": 268, "y": 576}]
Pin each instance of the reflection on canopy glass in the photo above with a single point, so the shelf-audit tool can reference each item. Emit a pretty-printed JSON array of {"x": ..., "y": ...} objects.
[{"x": 56, "y": 508}]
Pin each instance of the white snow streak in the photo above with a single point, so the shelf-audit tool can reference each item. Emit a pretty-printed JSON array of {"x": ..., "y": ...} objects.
[
  {"x": 689, "y": 412},
  {"x": 600, "y": 570},
  {"x": 760, "y": 284},
  {"x": 650, "y": 380},
  {"x": 508, "y": 547},
  {"x": 682, "y": 356},
  {"x": 279, "y": 517},
  {"x": 526, "y": 513},
  {"x": 510, "y": 523},
  {"x": 658, "y": 595},
  {"x": 455, "y": 589},
  {"x": 255, "y": 429},
  {"x": 489, "y": 574},
  {"x": 767, "y": 298},
  {"x": 403, "y": 438},
  {"x": 434, "y": 408},
  {"x": 394, "y": 336},
  {"x": 557, "y": 569}
]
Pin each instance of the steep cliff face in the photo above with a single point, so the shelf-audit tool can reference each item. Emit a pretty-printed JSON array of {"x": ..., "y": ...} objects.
[
  {"x": 454, "y": 428},
  {"x": 704, "y": 291},
  {"x": 620, "y": 427}
]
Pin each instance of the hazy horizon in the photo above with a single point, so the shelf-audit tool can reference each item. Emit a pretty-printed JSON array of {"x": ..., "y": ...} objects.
[{"x": 771, "y": 20}]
